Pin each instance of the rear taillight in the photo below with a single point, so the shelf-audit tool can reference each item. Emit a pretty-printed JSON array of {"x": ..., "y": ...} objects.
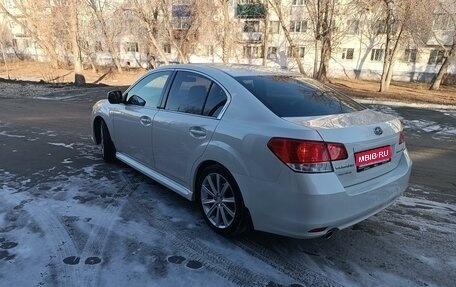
[
  {"x": 401, "y": 137},
  {"x": 307, "y": 156}
]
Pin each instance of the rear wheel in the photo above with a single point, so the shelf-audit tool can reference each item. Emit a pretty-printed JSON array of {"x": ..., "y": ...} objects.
[
  {"x": 108, "y": 151},
  {"x": 220, "y": 201}
]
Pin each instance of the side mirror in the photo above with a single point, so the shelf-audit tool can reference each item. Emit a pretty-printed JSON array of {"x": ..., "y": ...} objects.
[{"x": 115, "y": 97}]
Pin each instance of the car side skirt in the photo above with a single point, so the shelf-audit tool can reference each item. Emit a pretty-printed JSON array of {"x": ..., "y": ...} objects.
[{"x": 176, "y": 187}]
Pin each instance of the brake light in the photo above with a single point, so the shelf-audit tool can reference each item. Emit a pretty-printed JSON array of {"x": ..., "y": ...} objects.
[
  {"x": 401, "y": 137},
  {"x": 307, "y": 156}
]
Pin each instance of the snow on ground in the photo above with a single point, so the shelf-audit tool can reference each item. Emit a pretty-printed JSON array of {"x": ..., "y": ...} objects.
[
  {"x": 93, "y": 224},
  {"x": 4, "y": 133},
  {"x": 87, "y": 224},
  {"x": 70, "y": 146},
  {"x": 439, "y": 131},
  {"x": 81, "y": 222}
]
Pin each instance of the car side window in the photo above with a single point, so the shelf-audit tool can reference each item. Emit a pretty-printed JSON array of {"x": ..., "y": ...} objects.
[
  {"x": 215, "y": 102},
  {"x": 149, "y": 90},
  {"x": 188, "y": 93}
]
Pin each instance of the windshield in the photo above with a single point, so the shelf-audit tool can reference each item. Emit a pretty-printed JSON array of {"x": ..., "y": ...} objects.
[{"x": 289, "y": 96}]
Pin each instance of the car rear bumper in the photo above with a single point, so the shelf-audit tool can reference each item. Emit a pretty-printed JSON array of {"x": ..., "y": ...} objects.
[{"x": 298, "y": 203}]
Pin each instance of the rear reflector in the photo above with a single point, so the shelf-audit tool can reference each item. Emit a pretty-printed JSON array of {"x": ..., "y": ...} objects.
[{"x": 307, "y": 156}]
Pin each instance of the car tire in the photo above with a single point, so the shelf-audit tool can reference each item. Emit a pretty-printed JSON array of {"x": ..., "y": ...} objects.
[
  {"x": 108, "y": 151},
  {"x": 220, "y": 201}
]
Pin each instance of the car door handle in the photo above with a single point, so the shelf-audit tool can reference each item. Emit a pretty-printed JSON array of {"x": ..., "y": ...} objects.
[
  {"x": 145, "y": 121},
  {"x": 198, "y": 132}
]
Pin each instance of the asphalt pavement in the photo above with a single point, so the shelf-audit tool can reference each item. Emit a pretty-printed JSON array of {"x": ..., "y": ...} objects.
[{"x": 69, "y": 219}]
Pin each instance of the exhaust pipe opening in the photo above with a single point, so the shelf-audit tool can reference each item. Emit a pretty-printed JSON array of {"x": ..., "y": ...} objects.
[{"x": 330, "y": 233}]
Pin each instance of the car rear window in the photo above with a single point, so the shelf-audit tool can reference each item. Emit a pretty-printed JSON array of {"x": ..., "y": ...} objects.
[{"x": 289, "y": 96}]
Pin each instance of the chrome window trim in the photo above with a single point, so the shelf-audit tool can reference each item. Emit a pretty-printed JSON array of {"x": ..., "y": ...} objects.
[{"x": 228, "y": 95}]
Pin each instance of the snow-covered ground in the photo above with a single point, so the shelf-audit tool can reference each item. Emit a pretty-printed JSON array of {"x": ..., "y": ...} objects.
[
  {"x": 81, "y": 222},
  {"x": 439, "y": 131},
  {"x": 69, "y": 219}
]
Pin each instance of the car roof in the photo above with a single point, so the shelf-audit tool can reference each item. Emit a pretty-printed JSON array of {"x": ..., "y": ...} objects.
[{"x": 234, "y": 70}]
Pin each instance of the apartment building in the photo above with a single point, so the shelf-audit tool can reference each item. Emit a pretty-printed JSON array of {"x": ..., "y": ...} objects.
[{"x": 257, "y": 38}]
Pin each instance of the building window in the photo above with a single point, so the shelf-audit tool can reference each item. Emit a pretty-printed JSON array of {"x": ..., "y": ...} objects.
[
  {"x": 98, "y": 46},
  {"x": 167, "y": 48},
  {"x": 353, "y": 27},
  {"x": 410, "y": 55},
  {"x": 14, "y": 43},
  {"x": 299, "y": 26},
  {"x": 298, "y": 2},
  {"x": 272, "y": 53},
  {"x": 131, "y": 47},
  {"x": 252, "y": 51},
  {"x": 380, "y": 27},
  {"x": 347, "y": 53},
  {"x": 377, "y": 55},
  {"x": 181, "y": 23},
  {"x": 10, "y": 4},
  {"x": 251, "y": 26},
  {"x": 301, "y": 51},
  {"x": 210, "y": 50},
  {"x": 181, "y": 16},
  {"x": 274, "y": 27},
  {"x": 442, "y": 22},
  {"x": 436, "y": 57}
]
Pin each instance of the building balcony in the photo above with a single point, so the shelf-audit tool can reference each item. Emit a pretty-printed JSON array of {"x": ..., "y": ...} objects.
[
  {"x": 251, "y": 37},
  {"x": 251, "y": 11}
]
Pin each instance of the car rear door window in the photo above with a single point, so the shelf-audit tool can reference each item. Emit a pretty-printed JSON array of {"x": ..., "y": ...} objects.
[
  {"x": 289, "y": 96},
  {"x": 149, "y": 90},
  {"x": 188, "y": 93},
  {"x": 215, "y": 102}
]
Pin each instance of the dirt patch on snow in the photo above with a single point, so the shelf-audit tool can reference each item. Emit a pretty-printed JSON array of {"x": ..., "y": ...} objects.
[{"x": 399, "y": 91}]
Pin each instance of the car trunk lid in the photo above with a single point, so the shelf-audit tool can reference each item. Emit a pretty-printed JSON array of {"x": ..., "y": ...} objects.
[{"x": 371, "y": 139}]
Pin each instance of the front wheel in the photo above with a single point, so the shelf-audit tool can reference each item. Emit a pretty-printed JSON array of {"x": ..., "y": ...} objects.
[
  {"x": 220, "y": 201},
  {"x": 108, "y": 151}
]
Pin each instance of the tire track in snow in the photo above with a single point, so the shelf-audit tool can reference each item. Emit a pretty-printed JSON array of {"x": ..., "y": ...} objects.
[
  {"x": 195, "y": 249},
  {"x": 97, "y": 239},
  {"x": 287, "y": 265},
  {"x": 59, "y": 242}
]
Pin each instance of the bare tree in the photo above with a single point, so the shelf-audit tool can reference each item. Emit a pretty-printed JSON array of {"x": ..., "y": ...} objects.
[
  {"x": 148, "y": 13},
  {"x": 405, "y": 20},
  {"x": 387, "y": 59},
  {"x": 173, "y": 37},
  {"x": 5, "y": 37},
  {"x": 79, "y": 78},
  {"x": 226, "y": 32},
  {"x": 183, "y": 22},
  {"x": 106, "y": 17},
  {"x": 322, "y": 14},
  {"x": 277, "y": 7},
  {"x": 33, "y": 17},
  {"x": 449, "y": 9}
]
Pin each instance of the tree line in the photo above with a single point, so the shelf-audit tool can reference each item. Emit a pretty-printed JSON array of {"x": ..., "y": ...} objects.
[{"x": 81, "y": 25}]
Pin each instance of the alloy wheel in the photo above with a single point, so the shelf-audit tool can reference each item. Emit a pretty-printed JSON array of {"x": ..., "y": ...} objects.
[{"x": 218, "y": 200}]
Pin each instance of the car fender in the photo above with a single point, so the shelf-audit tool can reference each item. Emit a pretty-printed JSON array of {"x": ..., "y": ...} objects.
[
  {"x": 223, "y": 154},
  {"x": 101, "y": 110}
]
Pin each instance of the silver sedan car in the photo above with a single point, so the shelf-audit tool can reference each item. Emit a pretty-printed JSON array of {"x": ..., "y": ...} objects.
[{"x": 271, "y": 151}]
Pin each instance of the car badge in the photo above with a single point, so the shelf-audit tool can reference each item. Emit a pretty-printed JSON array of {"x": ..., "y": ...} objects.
[{"x": 378, "y": 131}]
